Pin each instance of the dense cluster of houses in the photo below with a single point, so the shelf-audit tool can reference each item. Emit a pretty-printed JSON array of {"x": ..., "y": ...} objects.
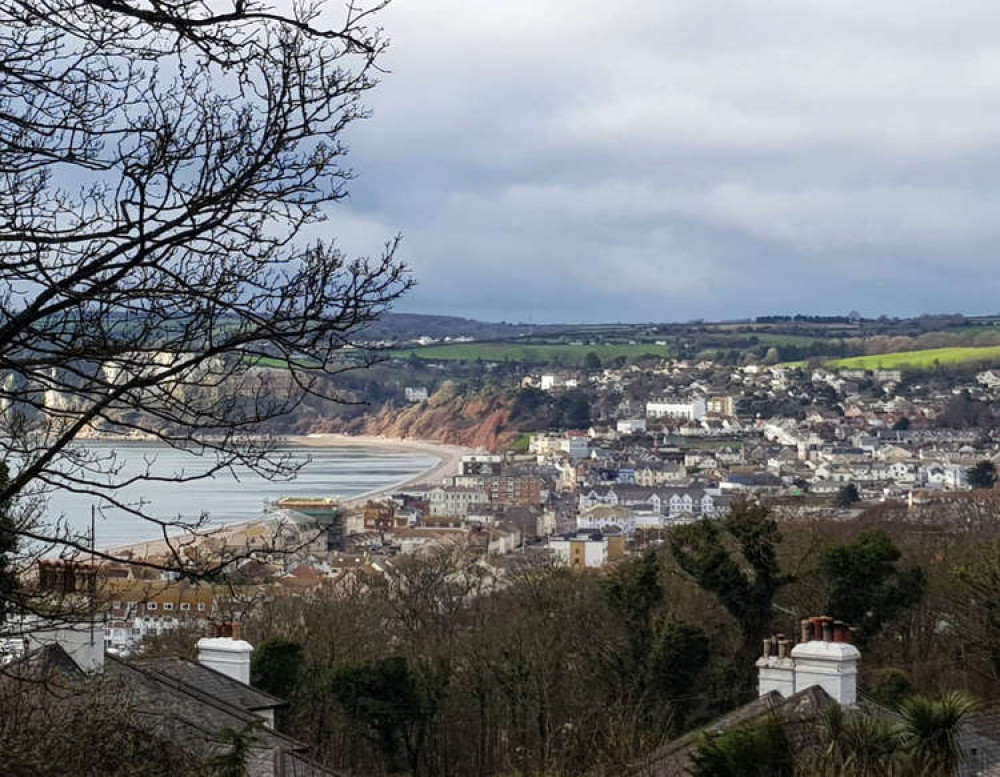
[{"x": 696, "y": 438}]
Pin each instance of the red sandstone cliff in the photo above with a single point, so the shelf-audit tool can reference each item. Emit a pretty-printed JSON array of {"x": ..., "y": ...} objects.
[{"x": 475, "y": 420}]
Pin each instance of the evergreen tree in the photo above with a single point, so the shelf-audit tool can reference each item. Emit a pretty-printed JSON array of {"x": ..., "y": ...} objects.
[
  {"x": 848, "y": 495},
  {"x": 736, "y": 560},
  {"x": 276, "y": 666},
  {"x": 867, "y": 588},
  {"x": 982, "y": 475}
]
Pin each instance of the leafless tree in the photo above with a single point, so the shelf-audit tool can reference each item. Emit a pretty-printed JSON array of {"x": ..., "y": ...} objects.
[{"x": 162, "y": 163}]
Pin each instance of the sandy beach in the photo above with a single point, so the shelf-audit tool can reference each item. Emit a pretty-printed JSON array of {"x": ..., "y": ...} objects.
[{"x": 448, "y": 457}]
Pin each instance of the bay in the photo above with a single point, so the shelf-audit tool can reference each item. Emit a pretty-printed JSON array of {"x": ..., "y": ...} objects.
[{"x": 343, "y": 471}]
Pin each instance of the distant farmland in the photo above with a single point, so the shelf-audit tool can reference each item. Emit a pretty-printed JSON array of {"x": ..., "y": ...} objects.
[
  {"x": 533, "y": 353},
  {"x": 920, "y": 359}
]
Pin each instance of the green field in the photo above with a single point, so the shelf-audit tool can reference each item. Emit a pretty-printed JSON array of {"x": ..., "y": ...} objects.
[
  {"x": 919, "y": 359},
  {"x": 533, "y": 353}
]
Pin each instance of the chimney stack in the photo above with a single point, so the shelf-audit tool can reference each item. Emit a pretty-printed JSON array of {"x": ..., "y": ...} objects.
[
  {"x": 828, "y": 660},
  {"x": 824, "y": 657},
  {"x": 775, "y": 669},
  {"x": 228, "y": 654}
]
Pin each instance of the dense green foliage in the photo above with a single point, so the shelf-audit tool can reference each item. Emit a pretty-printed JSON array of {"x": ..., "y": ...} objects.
[
  {"x": 276, "y": 665},
  {"x": 540, "y": 410},
  {"x": 848, "y": 496},
  {"x": 232, "y": 761},
  {"x": 759, "y": 750},
  {"x": 387, "y": 698},
  {"x": 982, "y": 475},
  {"x": 736, "y": 560},
  {"x": 929, "y": 732},
  {"x": 867, "y": 588},
  {"x": 663, "y": 660},
  {"x": 450, "y": 668}
]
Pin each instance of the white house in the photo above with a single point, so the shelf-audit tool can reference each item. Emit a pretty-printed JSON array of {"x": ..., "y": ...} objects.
[
  {"x": 583, "y": 550},
  {"x": 553, "y": 382},
  {"x": 415, "y": 394},
  {"x": 989, "y": 378},
  {"x": 576, "y": 446},
  {"x": 681, "y": 411},
  {"x": 631, "y": 426}
]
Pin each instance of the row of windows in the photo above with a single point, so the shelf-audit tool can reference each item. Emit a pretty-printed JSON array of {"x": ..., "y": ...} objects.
[{"x": 184, "y": 606}]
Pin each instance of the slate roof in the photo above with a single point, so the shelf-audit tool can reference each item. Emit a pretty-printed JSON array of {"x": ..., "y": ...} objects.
[
  {"x": 212, "y": 682},
  {"x": 798, "y": 712},
  {"x": 43, "y": 663},
  {"x": 193, "y": 719},
  {"x": 980, "y": 740}
]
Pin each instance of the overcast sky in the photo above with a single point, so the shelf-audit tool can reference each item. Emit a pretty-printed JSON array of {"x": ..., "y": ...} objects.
[{"x": 585, "y": 160}]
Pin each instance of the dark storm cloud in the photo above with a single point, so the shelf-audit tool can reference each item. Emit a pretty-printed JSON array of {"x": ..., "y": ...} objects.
[{"x": 648, "y": 160}]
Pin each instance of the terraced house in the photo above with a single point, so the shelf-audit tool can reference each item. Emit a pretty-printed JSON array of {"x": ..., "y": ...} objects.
[{"x": 662, "y": 501}]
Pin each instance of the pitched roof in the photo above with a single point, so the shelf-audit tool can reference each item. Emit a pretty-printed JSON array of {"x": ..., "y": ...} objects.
[
  {"x": 194, "y": 719},
  {"x": 798, "y": 712},
  {"x": 44, "y": 662},
  {"x": 212, "y": 682}
]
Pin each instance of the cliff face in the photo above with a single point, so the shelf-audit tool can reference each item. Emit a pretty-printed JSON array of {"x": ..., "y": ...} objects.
[{"x": 475, "y": 420}]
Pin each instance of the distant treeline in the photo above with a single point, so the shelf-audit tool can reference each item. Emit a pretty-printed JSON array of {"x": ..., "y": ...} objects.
[{"x": 801, "y": 317}]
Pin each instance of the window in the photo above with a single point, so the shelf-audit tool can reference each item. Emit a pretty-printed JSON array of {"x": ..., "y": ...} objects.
[
  {"x": 150, "y": 605},
  {"x": 185, "y": 606},
  {"x": 201, "y": 607},
  {"x": 116, "y": 605},
  {"x": 168, "y": 605}
]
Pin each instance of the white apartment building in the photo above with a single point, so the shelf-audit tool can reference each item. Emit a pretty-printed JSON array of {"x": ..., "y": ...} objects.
[
  {"x": 680, "y": 411},
  {"x": 456, "y": 501}
]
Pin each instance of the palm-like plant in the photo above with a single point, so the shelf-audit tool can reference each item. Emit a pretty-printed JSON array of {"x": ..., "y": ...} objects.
[
  {"x": 858, "y": 744},
  {"x": 929, "y": 732}
]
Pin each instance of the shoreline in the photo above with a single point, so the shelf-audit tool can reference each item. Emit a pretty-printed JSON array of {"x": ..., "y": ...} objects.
[{"x": 448, "y": 457}]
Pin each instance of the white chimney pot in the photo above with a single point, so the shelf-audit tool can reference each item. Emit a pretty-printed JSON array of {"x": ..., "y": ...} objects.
[
  {"x": 226, "y": 655},
  {"x": 776, "y": 674},
  {"x": 831, "y": 665}
]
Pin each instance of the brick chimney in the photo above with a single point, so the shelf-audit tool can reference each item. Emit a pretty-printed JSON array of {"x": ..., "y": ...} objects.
[
  {"x": 824, "y": 657},
  {"x": 228, "y": 654}
]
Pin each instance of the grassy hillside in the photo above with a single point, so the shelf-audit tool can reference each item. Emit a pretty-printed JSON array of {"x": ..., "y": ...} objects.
[
  {"x": 533, "y": 353},
  {"x": 919, "y": 359}
]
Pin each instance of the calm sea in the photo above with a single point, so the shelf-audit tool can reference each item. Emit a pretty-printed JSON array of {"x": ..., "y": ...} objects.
[{"x": 343, "y": 471}]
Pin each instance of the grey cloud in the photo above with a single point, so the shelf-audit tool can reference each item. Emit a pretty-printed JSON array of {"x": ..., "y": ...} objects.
[{"x": 646, "y": 160}]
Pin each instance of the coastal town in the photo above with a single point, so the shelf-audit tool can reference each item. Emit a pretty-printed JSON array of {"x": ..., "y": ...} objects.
[
  {"x": 566, "y": 389},
  {"x": 683, "y": 441}
]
